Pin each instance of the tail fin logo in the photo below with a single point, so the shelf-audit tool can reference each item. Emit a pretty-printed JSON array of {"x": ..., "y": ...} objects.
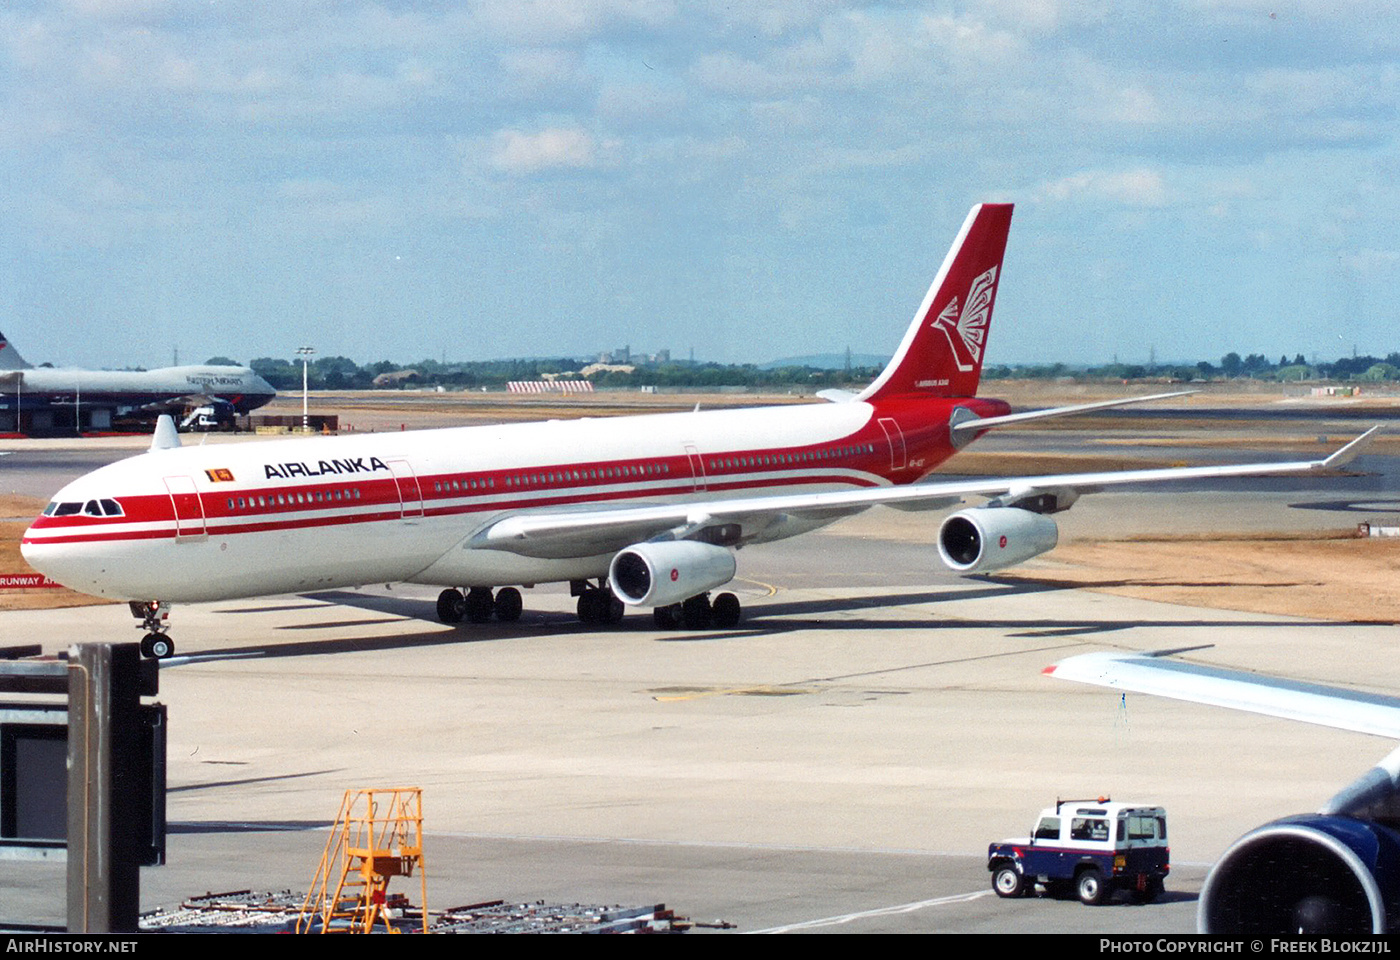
[{"x": 966, "y": 330}]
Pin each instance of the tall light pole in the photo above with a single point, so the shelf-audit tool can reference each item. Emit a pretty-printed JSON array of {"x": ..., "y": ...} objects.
[{"x": 306, "y": 353}]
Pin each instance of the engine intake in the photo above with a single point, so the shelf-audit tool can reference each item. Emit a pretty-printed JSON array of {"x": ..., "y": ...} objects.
[
  {"x": 984, "y": 539},
  {"x": 665, "y": 572},
  {"x": 1312, "y": 875}
]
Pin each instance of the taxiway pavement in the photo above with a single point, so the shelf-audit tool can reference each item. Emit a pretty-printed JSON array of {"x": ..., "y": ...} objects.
[{"x": 847, "y": 752}]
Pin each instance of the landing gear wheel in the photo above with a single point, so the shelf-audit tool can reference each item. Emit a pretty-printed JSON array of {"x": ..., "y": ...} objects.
[
  {"x": 153, "y": 615},
  {"x": 1090, "y": 887},
  {"x": 451, "y": 606},
  {"x": 600, "y": 606},
  {"x": 667, "y": 617},
  {"x": 508, "y": 605},
  {"x": 1007, "y": 882},
  {"x": 696, "y": 612},
  {"x": 589, "y": 606},
  {"x": 726, "y": 610},
  {"x": 157, "y": 646},
  {"x": 479, "y": 605}
]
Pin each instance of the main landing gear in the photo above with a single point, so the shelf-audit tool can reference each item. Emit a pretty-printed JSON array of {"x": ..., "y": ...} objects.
[
  {"x": 599, "y": 605},
  {"x": 153, "y": 615},
  {"x": 478, "y": 605},
  {"x": 596, "y": 605},
  {"x": 699, "y": 613}
]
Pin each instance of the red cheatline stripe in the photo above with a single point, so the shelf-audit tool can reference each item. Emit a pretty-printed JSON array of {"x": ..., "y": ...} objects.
[{"x": 92, "y": 533}]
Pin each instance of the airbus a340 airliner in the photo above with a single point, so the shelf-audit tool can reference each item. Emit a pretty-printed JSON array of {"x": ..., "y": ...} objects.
[{"x": 633, "y": 511}]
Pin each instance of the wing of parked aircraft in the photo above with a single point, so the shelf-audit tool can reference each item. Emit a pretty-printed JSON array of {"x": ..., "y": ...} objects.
[{"x": 1331, "y": 873}]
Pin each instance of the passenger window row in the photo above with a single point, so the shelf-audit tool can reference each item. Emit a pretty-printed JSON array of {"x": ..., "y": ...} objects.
[
  {"x": 275, "y": 501},
  {"x": 783, "y": 459},
  {"x": 546, "y": 478}
]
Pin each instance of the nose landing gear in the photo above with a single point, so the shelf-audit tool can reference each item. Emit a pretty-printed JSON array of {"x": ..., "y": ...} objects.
[{"x": 153, "y": 615}]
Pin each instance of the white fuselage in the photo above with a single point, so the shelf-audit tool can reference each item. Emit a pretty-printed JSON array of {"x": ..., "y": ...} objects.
[
  {"x": 233, "y": 520},
  {"x": 129, "y": 389}
]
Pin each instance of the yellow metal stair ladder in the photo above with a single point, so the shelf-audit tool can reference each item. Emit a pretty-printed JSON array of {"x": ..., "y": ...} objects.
[{"x": 378, "y": 835}]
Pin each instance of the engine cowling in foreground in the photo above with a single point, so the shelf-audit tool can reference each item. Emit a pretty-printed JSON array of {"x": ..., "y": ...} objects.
[
  {"x": 1315, "y": 875},
  {"x": 985, "y": 539},
  {"x": 665, "y": 572}
]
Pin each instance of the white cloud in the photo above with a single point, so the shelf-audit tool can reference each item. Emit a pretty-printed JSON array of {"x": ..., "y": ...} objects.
[
  {"x": 1141, "y": 187},
  {"x": 541, "y": 71},
  {"x": 517, "y": 153},
  {"x": 568, "y": 21},
  {"x": 1368, "y": 262}
]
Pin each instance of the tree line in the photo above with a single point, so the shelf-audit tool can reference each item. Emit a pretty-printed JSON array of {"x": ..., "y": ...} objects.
[{"x": 342, "y": 373}]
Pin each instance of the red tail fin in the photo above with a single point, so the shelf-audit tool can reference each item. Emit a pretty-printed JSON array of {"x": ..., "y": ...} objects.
[{"x": 941, "y": 354}]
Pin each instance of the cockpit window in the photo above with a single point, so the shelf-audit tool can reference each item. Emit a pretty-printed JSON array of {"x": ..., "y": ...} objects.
[{"x": 104, "y": 507}]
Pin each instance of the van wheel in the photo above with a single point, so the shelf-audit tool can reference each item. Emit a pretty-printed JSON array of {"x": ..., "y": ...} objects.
[{"x": 1008, "y": 883}]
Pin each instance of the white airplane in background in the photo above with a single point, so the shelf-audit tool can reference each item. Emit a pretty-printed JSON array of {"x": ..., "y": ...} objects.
[
  {"x": 233, "y": 389},
  {"x": 633, "y": 511},
  {"x": 1334, "y": 873}
]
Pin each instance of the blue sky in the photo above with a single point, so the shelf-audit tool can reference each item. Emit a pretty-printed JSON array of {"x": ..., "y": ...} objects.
[{"x": 751, "y": 180}]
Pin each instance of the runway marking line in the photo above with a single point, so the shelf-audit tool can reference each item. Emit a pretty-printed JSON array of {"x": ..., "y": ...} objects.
[{"x": 879, "y": 912}]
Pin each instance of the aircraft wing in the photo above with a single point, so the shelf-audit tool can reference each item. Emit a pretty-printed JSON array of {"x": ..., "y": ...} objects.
[
  {"x": 598, "y": 530},
  {"x": 1375, "y": 793},
  {"x": 1158, "y": 675},
  {"x": 169, "y": 404}
]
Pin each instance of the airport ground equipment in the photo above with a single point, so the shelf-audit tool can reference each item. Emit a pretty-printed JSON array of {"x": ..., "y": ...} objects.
[
  {"x": 378, "y": 835},
  {"x": 1091, "y": 849},
  {"x": 247, "y": 911}
]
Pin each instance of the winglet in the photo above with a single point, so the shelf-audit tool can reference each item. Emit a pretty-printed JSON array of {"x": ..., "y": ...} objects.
[
  {"x": 1350, "y": 452},
  {"x": 166, "y": 436}
]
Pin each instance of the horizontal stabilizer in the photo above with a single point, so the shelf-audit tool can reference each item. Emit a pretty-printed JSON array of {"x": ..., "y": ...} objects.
[{"x": 972, "y": 425}]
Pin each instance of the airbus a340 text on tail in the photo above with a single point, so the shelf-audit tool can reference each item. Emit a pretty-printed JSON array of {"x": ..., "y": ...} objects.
[{"x": 632, "y": 511}]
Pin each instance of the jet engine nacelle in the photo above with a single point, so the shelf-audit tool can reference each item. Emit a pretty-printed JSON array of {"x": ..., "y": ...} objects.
[
  {"x": 1315, "y": 875},
  {"x": 984, "y": 539},
  {"x": 665, "y": 572}
]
